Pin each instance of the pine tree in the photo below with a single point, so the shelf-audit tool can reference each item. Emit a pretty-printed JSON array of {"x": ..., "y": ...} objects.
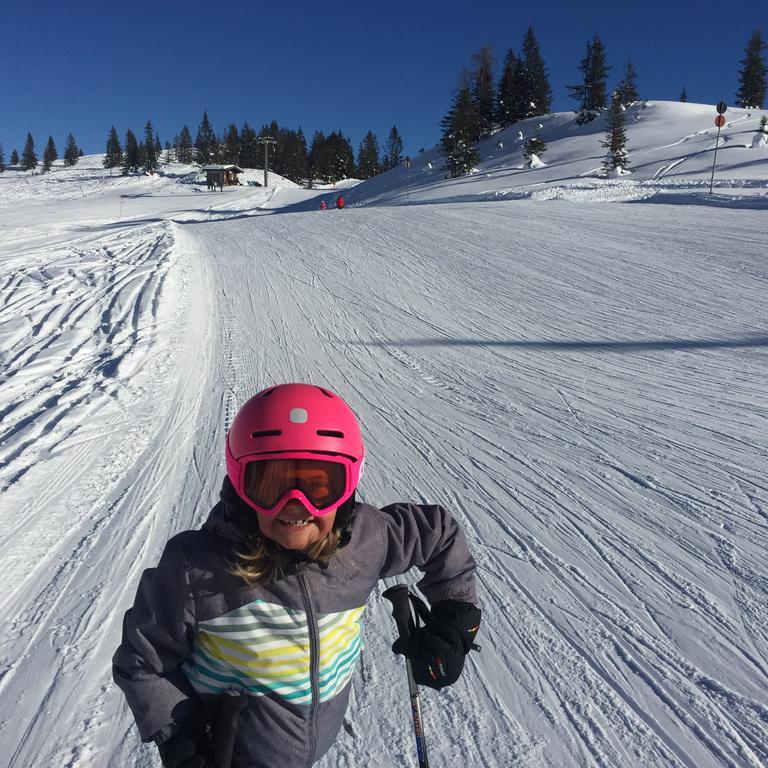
[
  {"x": 15, "y": 157},
  {"x": 248, "y": 148},
  {"x": 368, "y": 164},
  {"x": 204, "y": 142},
  {"x": 459, "y": 133},
  {"x": 506, "y": 97},
  {"x": 538, "y": 94},
  {"x": 131, "y": 156},
  {"x": 591, "y": 93},
  {"x": 151, "y": 157},
  {"x": 615, "y": 138},
  {"x": 683, "y": 95},
  {"x": 232, "y": 146},
  {"x": 113, "y": 157},
  {"x": 482, "y": 90},
  {"x": 71, "y": 155},
  {"x": 185, "y": 152},
  {"x": 627, "y": 88},
  {"x": 28, "y": 156},
  {"x": 2, "y": 158},
  {"x": 317, "y": 159},
  {"x": 158, "y": 146},
  {"x": 752, "y": 77},
  {"x": 393, "y": 150},
  {"x": 49, "y": 155},
  {"x": 295, "y": 156}
]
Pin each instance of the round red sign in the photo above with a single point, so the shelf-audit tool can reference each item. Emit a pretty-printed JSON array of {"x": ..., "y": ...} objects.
[{"x": 720, "y": 121}]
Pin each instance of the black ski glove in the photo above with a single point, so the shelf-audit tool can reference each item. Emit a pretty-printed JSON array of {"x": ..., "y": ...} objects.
[
  {"x": 437, "y": 650},
  {"x": 188, "y": 744}
]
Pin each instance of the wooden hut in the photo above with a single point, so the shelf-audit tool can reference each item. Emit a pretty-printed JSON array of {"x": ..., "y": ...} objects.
[{"x": 220, "y": 176}]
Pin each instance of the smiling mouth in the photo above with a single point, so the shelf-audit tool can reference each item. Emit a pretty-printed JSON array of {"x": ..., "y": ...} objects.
[{"x": 295, "y": 523}]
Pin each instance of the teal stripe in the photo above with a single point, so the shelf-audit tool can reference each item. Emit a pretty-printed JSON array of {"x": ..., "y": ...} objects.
[
  {"x": 244, "y": 677},
  {"x": 252, "y": 684},
  {"x": 343, "y": 660}
]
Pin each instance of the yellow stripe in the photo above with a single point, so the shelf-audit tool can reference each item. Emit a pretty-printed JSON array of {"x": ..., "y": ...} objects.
[
  {"x": 217, "y": 649},
  {"x": 286, "y": 651}
]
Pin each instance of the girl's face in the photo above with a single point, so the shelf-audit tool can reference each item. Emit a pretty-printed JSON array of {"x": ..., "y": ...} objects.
[{"x": 294, "y": 527}]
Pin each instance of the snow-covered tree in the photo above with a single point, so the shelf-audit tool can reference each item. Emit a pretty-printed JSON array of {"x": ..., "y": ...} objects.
[
  {"x": 538, "y": 94},
  {"x": 71, "y": 151},
  {"x": 232, "y": 146},
  {"x": 15, "y": 157},
  {"x": 49, "y": 154},
  {"x": 151, "y": 157},
  {"x": 752, "y": 77},
  {"x": 459, "y": 135},
  {"x": 482, "y": 90},
  {"x": 591, "y": 93},
  {"x": 764, "y": 124},
  {"x": 368, "y": 163},
  {"x": 627, "y": 88},
  {"x": 185, "y": 152},
  {"x": 534, "y": 145},
  {"x": 615, "y": 137},
  {"x": 508, "y": 93},
  {"x": 131, "y": 155},
  {"x": 249, "y": 149},
  {"x": 113, "y": 157},
  {"x": 28, "y": 156},
  {"x": 393, "y": 150},
  {"x": 204, "y": 141}
]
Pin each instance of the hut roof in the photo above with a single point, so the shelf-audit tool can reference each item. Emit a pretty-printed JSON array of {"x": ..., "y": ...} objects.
[{"x": 234, "y": 168}]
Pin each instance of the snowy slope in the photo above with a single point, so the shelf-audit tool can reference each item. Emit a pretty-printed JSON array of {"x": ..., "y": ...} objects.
[
  {"x": 670, "y": 146},
  {"x": 582, "y": 385}
]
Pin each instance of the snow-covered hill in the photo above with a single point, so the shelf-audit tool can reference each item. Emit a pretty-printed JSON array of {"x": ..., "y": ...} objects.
[
  {"x": 670, "y": 146},
  {"x": 582, "y": 385}
]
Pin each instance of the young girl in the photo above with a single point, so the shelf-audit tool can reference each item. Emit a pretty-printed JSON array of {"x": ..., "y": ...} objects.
[{"x": 267, "y": 597}]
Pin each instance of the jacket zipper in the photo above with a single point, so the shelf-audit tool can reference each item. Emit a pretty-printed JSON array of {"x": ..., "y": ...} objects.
[{"x": 314, "y": 667}]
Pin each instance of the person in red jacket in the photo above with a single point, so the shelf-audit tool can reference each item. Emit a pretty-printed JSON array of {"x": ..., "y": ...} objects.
[
  {"x": 339, "y": 202},
  {"x": 323, "y": 205}
]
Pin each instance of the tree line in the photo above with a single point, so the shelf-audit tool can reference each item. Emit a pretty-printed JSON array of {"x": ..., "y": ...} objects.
[
  {"x": 328, "y": 158},
  {"x": 481, "y": 105},
  {"x": 29, "y": 160}
]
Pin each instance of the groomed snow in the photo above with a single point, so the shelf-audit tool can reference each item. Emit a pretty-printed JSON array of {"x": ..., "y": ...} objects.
[{"x": 582, "y": 385}]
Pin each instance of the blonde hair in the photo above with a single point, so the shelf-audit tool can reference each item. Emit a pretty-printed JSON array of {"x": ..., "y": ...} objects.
[{"x": 263, "y": 563}]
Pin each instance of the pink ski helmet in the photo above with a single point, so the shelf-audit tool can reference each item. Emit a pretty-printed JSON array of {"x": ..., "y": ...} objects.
[{"x": 294, "y": 425}]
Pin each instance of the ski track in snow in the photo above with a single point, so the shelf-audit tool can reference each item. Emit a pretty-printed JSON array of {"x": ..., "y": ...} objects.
[{"x": 590, "y": 405}]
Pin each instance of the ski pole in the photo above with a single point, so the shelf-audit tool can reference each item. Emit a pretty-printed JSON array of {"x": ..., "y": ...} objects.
[
  {"x": 401, "y": 611},
  {"x": 227, "y": 725}
]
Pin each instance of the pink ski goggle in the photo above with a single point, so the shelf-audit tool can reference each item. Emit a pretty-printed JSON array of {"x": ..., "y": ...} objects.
[{"x": 320, "y": 482}]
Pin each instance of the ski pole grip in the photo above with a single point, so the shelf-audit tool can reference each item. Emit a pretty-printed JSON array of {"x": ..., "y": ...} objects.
[{"x": 401, "y": 610}]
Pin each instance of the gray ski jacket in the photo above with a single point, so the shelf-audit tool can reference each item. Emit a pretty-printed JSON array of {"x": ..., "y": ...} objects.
[{"x": 292, "y": 644}]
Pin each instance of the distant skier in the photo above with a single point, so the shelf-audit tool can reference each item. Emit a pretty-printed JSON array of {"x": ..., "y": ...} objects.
[
  {"x": 267, "y": 597},
  {"x": 323, "y": 205},
  {"x": 339, "y": 202}
]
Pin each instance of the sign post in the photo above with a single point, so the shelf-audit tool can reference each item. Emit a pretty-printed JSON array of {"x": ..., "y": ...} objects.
[
  {"x": 719, "y": 122},
  {"x": 407, "y": 163}
]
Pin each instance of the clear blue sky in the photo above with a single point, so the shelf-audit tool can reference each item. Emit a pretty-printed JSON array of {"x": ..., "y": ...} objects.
[{"x": 82, "y": 67}]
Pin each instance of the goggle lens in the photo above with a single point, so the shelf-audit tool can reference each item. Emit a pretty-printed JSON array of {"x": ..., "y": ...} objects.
[{"x": 322, "y": 482}]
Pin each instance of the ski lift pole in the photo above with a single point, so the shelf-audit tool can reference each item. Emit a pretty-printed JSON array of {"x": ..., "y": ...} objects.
[
  {"x": 401, "y": 611},
  {"x": 719, "y": 122}
]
